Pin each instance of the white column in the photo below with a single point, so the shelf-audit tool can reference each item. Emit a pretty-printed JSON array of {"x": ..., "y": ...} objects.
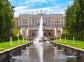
[
  {"x": 23, "y": 34},
  {"x": 55, "y": 32},
  {"x": 61, "y": 30},
  {"x": 21, "y": 31},
  {"x": 27, "y": 32}
]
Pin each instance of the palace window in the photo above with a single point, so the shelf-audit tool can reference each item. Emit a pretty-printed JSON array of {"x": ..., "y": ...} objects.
[
  {"x": 49, "y": 33},
  {"x": 44, "y": 34},
  {"x": 62, "y": 25},
  {"x": 62, "y": 21},
  {"x": 32, "y": 34}
]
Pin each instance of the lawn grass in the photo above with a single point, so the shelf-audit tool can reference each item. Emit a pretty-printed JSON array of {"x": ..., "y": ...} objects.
[
  {"x": 75, "y": 44},
  {"x": 8, "y": 45}
]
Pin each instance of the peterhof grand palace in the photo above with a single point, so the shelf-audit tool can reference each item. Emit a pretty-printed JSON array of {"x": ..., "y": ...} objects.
[{"x": 53, "y": 25}]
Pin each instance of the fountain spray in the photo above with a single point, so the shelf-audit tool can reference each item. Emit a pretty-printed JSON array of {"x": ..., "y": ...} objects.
[
  {"x": 11, "y": 40},
  {"x": 40, "y": 32},
  {"x": 39, "y": 45}
]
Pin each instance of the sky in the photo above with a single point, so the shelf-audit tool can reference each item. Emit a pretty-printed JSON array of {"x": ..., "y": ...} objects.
[{"x": 35, "y": 6}]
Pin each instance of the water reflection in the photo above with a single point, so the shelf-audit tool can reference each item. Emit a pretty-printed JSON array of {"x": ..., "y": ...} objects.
[{"x": 51, "y": 54}]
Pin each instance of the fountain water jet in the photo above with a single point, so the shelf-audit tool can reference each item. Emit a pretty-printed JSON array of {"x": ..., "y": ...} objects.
[
  {"x": 27, "y": 34},
  {"x": 61, "y": 30},
  {"x": 39, "y": 45},
  {"x": 23, "y": 39},
  {"x": 65, "y": 39},
  {"x": 21, "y": 31},
  {"x": 40, "y": 32},
  {"x": 11, "y": 40},
  {"x": 60, "y": 39},
  {"x": 73, "y": 41},
  {"x": 18, "y": 38}
]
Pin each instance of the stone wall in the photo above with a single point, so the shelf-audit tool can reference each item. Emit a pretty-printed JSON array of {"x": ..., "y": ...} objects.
[
  {"x": 5, "y": 56},
  {"x": 70, "y": 51}
]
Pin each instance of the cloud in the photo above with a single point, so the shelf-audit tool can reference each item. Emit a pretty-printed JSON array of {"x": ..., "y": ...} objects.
[
  {"x": 25, "y": 10},
  {"x": 19, "y": 9},
  {"x": 29, "y": 6},
  {"x": 71, "y": 2},
  {"x": 35, "y": 1}
]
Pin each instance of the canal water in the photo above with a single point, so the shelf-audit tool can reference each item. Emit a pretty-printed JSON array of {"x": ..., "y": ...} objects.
[{"x": 50, "y": 54}]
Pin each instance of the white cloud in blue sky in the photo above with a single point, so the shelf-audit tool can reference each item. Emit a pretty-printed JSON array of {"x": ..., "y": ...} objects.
[{"x": 29, "y": 6}]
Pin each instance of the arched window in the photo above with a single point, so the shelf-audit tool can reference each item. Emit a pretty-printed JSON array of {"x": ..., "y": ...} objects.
[
  {"x": 44, "y": 34},
  {"x": 32, "y": 34},
  {"x": 49, "y": 33}
]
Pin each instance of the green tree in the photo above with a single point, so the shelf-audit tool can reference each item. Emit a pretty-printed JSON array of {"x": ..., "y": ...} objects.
[
  {"x": 75, "y": 19},
  {"x": 6, "y": 16}
]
